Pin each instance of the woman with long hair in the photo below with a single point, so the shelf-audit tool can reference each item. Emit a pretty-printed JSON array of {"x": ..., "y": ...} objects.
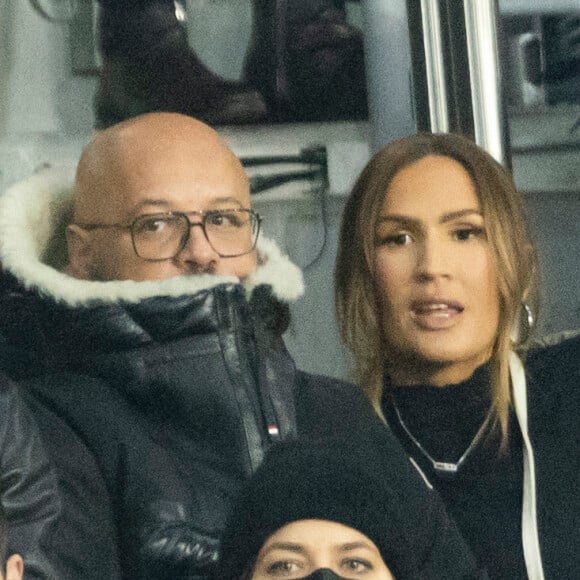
[{"x": 436, "y": 294}]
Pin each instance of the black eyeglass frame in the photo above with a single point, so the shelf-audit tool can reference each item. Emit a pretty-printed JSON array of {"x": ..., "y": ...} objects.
[{"x": 255, "y": 222}]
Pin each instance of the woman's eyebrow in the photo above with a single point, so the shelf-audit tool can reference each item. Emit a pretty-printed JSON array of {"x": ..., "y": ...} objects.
[
  {"x": 287, "y": 546},
  {"x": 403, "y": 219},
  {"x": 448, "y": 217},
  {"x": 445, "y": 218},
  {"x": 355, "y": 546}
]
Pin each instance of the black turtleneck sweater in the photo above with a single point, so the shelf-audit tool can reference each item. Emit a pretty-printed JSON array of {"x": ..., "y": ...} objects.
[{"x": 485, "y": 495}]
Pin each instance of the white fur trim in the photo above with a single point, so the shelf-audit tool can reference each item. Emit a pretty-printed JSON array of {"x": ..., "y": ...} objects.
[
  {"x": 277, "y": 271},
  {"x": 32, "y": 209}
]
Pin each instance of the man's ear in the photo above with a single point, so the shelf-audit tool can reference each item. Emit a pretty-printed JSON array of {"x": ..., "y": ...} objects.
[
  {"x": 14, "y": 567},
  {"x": 79, "y": 252}
]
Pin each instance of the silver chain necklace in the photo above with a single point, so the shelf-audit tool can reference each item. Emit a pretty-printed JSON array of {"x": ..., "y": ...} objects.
[{"x": 442, "y": 467}]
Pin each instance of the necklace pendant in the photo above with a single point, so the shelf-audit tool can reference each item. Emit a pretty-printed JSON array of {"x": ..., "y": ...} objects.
[
  {"x": 445, "y": 467},
  {"x": 442, "y": 468}
]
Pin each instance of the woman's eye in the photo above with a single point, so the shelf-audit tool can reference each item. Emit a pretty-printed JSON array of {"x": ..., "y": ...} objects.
[
  {"x": 357, "y": 565},
  {"x": 395, "y": 240},
  {"x": 464, "y": 234},
  {"x": 282, "y": 568}
]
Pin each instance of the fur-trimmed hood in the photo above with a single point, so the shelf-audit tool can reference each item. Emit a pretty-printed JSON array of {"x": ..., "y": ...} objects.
[
  {"x": 33, "y": 215},
  {"x": 52, "y": 320}
]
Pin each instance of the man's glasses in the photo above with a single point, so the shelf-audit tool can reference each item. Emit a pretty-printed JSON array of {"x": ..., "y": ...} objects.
[{"x": 161, "y": 236}]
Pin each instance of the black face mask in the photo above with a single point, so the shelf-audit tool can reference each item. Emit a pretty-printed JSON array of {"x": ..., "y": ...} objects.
[{"x": 323, "y": 574}]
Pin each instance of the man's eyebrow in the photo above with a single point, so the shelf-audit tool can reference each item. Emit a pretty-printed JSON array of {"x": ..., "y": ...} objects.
[
  {"x": 445, "y": 218},
  {"x": 149, "y": 201},
  {"x": 226, "y": 199},
  {"x": 158, "y": 202}
]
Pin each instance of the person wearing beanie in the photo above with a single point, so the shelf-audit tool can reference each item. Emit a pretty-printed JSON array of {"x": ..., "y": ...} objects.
[{"x": 335, "y": 510}]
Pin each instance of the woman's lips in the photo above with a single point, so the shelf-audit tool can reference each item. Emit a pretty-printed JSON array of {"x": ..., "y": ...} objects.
[{"x": 436, "y": 314}]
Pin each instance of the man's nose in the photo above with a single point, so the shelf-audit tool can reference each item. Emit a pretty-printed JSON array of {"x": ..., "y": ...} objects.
[{"x": 197, "y": 248}]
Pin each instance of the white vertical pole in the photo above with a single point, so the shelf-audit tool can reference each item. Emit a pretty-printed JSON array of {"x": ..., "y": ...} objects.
[
  {"x": 484, "y": 70},
  {"x": 435, "y": 66},
  {"x": 388, "y": 66}
]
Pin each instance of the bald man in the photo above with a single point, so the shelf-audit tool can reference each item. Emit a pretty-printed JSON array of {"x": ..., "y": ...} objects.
[
  {"x": 158, "y": 338},
  {"x": 155, "y": 165}
]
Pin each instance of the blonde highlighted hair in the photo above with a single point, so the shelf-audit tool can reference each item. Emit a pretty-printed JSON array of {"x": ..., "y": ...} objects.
[{"x": 507, "y": 231}]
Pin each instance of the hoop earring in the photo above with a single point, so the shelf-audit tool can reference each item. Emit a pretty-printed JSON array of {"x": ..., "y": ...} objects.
[{"x": 523, "y": 325}]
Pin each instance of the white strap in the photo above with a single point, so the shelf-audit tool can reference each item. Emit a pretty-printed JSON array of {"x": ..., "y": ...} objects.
[{"x": 530, "y": 536}]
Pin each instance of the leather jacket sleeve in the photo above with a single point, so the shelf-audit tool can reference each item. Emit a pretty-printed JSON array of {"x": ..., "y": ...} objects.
[
  {"x": 172, "y": 548},
  {"x": 27, "y": 482},
  {"x": 58, "y": 510},
  {"x": 163, "y": 536}
]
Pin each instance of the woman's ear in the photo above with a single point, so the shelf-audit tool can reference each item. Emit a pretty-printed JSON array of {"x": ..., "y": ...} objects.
[
  {"x": 79, "y": 252},
  {"x": 14, "y": 567}
]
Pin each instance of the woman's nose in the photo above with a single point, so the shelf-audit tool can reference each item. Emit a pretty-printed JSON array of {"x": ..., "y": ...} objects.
[{"x": 433, "y": 259}]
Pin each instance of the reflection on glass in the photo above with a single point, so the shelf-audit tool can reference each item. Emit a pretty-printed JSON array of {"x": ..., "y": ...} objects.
[{"x": 231, "y": 62}]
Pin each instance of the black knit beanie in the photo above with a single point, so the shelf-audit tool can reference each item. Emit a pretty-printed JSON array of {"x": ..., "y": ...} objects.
[{"x": 343, "y": 482}]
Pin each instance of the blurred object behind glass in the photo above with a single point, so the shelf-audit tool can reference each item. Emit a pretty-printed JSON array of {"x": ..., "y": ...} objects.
[
  {"x": 542, "y": 60},
  {"x": 304, "y": 61}
]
